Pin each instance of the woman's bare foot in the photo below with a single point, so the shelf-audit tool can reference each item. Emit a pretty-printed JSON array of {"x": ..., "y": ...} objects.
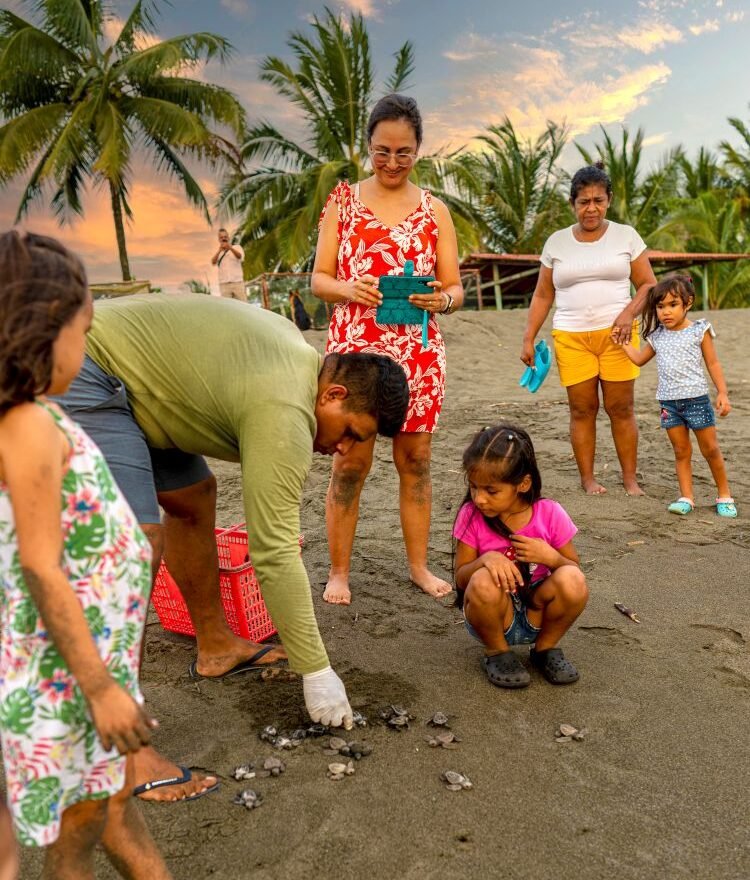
[
  {"x": 632, "y": 487},
  {"x": 337, "y": 590},
  {"x": 428, "y": 582},
  {"x": 591, "y": 487},
  {"x": 150, "y": 766}
]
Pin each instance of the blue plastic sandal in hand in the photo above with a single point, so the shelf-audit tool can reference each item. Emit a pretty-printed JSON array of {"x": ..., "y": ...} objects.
[{"x": 533, "y": 377}]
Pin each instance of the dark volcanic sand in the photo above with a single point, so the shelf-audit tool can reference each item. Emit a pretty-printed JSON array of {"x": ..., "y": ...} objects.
[{"x": 658, "y": 789}]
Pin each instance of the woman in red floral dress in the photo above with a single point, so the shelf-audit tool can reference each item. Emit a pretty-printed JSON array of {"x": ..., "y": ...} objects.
[{"x": 367, "y": 230}]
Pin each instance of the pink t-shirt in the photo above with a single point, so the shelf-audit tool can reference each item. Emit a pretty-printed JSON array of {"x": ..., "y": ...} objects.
[{"x": 549, "y": 521}]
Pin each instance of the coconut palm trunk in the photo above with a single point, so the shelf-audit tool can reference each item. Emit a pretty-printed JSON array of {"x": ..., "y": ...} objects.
[{"x": 120, "y": 232}]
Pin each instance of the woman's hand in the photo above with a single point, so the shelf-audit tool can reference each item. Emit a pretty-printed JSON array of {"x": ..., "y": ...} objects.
[
  {"x": 364, "y": 291},
  {"x": 527, "y": 352},
  {"x": 434, "y": 302},
  {"x": 622, "y": 328},
  {"x": 504, "y": 572}
]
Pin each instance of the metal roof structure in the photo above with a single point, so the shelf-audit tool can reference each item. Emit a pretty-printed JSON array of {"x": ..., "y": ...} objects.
[{"x": 512, "y": 277}]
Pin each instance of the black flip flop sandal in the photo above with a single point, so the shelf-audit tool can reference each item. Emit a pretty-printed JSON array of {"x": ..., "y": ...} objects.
[
  {"x": 506, "y": 670},
  {"x": 249, "y": 665},
  {"x": 185, "y": 776},
  {"x": 553, "y": 666}
]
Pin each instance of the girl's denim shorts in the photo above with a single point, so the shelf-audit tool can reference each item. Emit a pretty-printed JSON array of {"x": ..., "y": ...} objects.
[{"x": 695, "y": 413}]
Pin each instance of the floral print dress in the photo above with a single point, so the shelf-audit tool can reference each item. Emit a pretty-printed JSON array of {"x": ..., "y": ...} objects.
[
  {"x": 52, "y": 755},
  {"x": 369, "y": 247}
]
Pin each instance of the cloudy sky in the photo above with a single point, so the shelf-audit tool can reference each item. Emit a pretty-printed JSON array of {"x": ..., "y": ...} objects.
[{"x": 678, "y": 68}]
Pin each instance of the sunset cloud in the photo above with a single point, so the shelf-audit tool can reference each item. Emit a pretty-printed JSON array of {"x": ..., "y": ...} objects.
[
  {"x": 365, "y": 7},
  {"x": 650, "y": 36},
  {"x": 708, "y": 26},
  {"x": 532, "y": 84},
  {"x": 169, "y": 241}
]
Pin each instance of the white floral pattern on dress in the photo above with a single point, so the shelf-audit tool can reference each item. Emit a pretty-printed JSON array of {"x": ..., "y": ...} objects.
[
  {"x": 52, "y": 755},
  {"x": 367, "y": 246}
]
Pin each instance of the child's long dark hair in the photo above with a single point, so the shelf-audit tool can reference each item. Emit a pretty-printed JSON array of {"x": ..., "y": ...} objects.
[
  {"x": 506, "y": 451},
  {"x": 680, "y": 286},
  {"x": 42, "y": 287}
]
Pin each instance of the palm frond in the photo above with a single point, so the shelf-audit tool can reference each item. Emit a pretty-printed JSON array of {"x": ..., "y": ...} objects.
[
  {"x": 74, "y": 23},
  {"x": 404, "y": 68}
]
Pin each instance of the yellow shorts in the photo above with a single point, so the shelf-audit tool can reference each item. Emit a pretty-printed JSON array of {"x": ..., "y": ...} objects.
[{"x": 582, "y": 356}]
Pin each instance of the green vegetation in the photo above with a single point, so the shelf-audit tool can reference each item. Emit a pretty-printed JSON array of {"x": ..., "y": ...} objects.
[
  {"x": 76, "y": 106},
  {"x": 76, "y": 109}
]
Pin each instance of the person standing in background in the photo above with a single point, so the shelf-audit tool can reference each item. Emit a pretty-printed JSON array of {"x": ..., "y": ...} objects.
[{"x": 228, "y": 260}]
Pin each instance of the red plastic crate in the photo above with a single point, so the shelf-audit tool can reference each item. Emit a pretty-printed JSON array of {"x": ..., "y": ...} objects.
[{"x": 240, "y": 593}]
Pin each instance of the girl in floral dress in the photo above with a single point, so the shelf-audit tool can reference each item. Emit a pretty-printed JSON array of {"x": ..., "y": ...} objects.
[
  {"x": 368, "y": 230},
  {"x": 76, "y": 576}
]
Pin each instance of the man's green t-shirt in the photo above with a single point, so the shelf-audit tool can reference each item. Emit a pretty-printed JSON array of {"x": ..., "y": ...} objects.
[{"x": 221, "y": 378}]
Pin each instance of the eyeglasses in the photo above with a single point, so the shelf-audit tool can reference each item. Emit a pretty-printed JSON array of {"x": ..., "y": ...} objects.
[{"x": 383, "y": 157}]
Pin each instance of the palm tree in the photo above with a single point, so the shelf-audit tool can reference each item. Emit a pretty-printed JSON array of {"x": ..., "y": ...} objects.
[
  {"x": 638, "y": 200},
  {"x": 711, "y": 223},
  {"x": 738, "y": 161},
  {"x": 280, "y": 185},
  {"x": 76, "y": 108},
  {"x": 519, "y": 199}
]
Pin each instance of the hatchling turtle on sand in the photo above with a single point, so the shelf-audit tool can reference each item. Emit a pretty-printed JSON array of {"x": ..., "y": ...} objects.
[
  {"x": 244, "y": 771},
  {"x": 446, "y": 739},
  {"x": 396, "y": 717},
  {"x": 439, "y": 719},
  {"x": 356, "y": 750},
  {"x": 249, "y": 799},
  {"x": 566, "y": 733},
  {"x": 455, "y": 781},
  {"x": 339, "y": 771},
  {"x": 272, "y": 767}
]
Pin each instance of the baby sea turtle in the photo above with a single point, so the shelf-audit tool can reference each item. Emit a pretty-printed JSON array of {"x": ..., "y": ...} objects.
[
  {"x": 396, "y": 717},
  {"x": 268, "y": 733},
  {"x": 439, "y": 719},
  {"x": 446, "y": 739},
  {"x": 356, "y": 750},
  {"x": 317, "y": 730},
  {"x": 298, "y": 735},
  {"x": 567, "y": 732},
  {"x": 455, "y": 781},
  {"x": 249, "y": 799},
  {"x": 339, "y": 771},
  {"x": 359, "y": 719},
  {"x": 244, "y": 771},
  {"x": 272, "y": 767}
]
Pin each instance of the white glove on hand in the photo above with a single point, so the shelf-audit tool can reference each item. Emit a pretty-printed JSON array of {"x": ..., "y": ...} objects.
[{"x": 326, "y": 700}]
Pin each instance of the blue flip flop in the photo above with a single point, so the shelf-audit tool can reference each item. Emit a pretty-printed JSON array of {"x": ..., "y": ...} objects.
[{"x": 533, "y": 377}]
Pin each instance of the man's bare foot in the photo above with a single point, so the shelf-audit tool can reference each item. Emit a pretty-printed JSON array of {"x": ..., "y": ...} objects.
[
  {"x": 428, "y": 582},
  {"x": 632, "y": 487},
  {"x": 216, "y": 660},
  {"x": 337, "y": 590},
  {"x": 150, "y": 766},
  {"x": 591, "y": 487}
]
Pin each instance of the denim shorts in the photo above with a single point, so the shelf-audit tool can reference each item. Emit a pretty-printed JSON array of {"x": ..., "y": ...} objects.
[
  {"x": 695, "y": 413},
  {"x": 99, "y": 403},
  {"x": 520, "y": 631}
]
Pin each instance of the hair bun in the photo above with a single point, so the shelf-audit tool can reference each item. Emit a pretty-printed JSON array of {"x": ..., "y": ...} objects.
[{"x": 599, "y": 164}]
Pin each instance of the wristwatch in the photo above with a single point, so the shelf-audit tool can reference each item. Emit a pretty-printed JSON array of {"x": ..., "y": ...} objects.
[{"x": 449, "y": 308}]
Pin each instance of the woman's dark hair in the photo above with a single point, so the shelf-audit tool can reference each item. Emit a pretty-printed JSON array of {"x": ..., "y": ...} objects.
[
  {"x": 590, "y": 175},
  {"x": 680, "y": 286},
  {"x": 392, "y": 107},
  {"x": 506, "y": 451},
  {"x": 42, "y": 287}
]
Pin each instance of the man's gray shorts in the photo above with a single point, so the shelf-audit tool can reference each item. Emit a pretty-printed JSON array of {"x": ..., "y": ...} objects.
[{"x": 99, "y": 403}]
